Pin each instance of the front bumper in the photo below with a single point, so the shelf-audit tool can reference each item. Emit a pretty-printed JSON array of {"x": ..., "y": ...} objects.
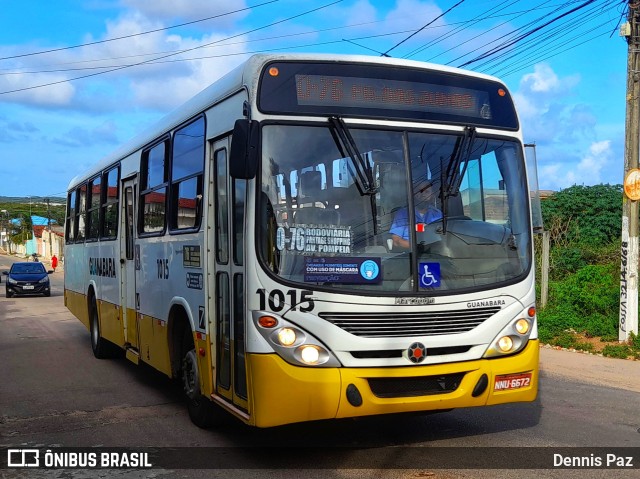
[
  {"x": 38, "y": 288},
  {"x": 282, "y": 393}
]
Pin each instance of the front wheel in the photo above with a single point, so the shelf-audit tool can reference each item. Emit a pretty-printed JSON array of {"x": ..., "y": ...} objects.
[{"x": 202, "y": 412}]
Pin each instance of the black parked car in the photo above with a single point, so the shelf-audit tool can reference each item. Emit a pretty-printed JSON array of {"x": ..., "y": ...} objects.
[{"x": 28, "y": 278}]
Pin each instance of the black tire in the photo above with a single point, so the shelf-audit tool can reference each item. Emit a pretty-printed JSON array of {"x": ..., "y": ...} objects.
[
  {"x": 202, "y": 412},
  {"x": 48, "y": 293},
  {"x": 99, "y": 345},
  {"x": 9, "y": 294}
]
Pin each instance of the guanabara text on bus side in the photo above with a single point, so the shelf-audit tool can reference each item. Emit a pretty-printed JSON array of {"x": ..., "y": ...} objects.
[{"x": 315, "y": 237}]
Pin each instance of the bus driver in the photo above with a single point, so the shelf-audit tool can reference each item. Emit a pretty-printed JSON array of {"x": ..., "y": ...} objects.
[{"x": 425, "y": 212}]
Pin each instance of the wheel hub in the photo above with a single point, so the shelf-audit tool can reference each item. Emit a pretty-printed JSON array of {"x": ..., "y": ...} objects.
[{"x": 190, "y": 379}]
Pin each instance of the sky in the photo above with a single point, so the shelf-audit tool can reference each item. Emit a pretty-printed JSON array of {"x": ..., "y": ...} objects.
[{"x": 80, "y": 77}]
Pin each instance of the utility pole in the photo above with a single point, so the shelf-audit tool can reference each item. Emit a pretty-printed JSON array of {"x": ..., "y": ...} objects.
[
  {"x": 49, "y": 225},
  {"x": 628, "y": 318}
]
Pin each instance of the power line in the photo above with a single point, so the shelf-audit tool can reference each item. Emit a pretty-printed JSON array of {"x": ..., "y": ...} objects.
[
  {"x": 544, "y": 42},
  {"x": 538, "y": 39},
  {"x": 171, "y": 54},
  {"x": 136, "y": 34},
  {"x": 514, "y": 70},
  {"x": 459, "y": 28},
  {"x": 516, "y": 52},
  {"x": 505, "y": 36},
  {"x": 221, "y": 45},
  {"x": 524, "y": 35},
  {"x": 487, "y": 32},
  {"x": 386, "y": 54}
]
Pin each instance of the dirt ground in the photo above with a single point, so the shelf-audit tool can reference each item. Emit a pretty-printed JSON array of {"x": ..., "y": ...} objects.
[{"x": 591, "y": 368}]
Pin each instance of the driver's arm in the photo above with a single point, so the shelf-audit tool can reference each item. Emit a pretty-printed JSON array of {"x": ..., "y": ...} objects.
[{"x": 399, "y": 242}]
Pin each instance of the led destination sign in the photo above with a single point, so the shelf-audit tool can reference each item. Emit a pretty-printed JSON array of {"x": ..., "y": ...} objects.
[
  {"x": 384, "y": 91},
  {"x": 322, "y": 90}
]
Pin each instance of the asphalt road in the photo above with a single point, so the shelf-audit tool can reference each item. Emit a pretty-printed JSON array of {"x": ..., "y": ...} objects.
[{"x": 54, "y": 393}]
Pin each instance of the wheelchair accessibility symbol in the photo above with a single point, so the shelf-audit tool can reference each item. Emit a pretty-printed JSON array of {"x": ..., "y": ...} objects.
[{"x": 429, "y": 275}]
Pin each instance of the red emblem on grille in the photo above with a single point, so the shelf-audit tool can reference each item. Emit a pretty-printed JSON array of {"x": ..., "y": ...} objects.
[{"x": 417, "y": 352}]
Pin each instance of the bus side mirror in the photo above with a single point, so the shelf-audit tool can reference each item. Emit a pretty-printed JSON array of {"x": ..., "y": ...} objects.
[{"x": 243, "y": 156}]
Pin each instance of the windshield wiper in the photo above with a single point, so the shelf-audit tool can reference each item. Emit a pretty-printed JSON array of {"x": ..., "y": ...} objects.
[
  {"x": 342, "y": 137},
  {"x": 452, "y": 178},
  {"x": 364, "y": 175},
  {"x": 461, "y": 154}
]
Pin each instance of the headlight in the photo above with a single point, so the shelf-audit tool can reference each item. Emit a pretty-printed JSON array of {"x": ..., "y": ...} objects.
[
  {"x": 44, "y": 280},
  {"x": 287, "y": 336},
  {"x": 505, "y": 343},
  {"x": 309, "y": 354},
  {"x": 292, "y": 343},
  {"x": 522, "y": 326},
  {"x": 514, "y": 336},
  {"x": 11, "y": 281}
]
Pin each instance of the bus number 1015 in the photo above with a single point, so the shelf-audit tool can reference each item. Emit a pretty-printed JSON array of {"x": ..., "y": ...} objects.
[{"x": 277, "y": 300}]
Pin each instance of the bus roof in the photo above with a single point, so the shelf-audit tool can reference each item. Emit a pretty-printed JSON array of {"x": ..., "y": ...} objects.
[{"x": 242, "y": 77}]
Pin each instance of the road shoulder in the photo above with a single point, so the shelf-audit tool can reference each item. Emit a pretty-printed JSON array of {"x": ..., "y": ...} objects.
[{"x": 602, "y": 371}]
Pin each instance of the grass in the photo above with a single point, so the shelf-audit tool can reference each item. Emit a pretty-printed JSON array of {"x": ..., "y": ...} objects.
[{"x": 606, "y": 346}]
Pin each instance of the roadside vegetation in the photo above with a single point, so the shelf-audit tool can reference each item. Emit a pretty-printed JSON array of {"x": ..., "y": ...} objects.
[
  {"x": 21, "y": 230},
  {"x": 584, "y": 271}
]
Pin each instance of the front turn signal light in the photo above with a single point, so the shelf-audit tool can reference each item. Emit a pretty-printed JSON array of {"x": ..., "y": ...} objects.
[{"x": 267, "y": 321}]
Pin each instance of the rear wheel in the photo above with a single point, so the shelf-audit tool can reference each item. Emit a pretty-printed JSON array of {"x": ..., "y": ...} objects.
[
  {"x": 202, "y": 412},
  {"x": 99, "y": 345}
]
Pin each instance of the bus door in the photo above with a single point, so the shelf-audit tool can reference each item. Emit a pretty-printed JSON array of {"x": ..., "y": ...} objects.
[
  {"x": 226, "y": 261},
  {"x": 128, "y": 260}
]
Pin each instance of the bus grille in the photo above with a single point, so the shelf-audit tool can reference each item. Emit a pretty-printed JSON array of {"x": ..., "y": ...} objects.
[
  {"x": 420, "y": 386},
  {"x": 425, "y": 323}
]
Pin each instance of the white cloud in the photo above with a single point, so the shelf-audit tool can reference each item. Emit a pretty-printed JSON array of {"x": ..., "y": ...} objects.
[
  {"x": 360, "y": 12},
  {"x": 543, "y": 79},
  {"x": 157, "y": 85},
  {"x": 168, "y": 86},
  {"x": 79, "y": 136},
  {"x": 59, "y": 94},
  {"x": 406, "y": 12},
  {"x": 565, "y": 131},
  {"x": 594, "y": 166},
  {"x": 189, "y": 9},
  {"x": 600, "y": 147}
]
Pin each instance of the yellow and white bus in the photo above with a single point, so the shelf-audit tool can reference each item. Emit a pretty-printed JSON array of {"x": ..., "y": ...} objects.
[{"x": 256, "y": 244}]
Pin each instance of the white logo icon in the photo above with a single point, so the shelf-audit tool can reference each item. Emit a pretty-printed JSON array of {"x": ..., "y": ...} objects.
[{"x": 23, "y": 458}]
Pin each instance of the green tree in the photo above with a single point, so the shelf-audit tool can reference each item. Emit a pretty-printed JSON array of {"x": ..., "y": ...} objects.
[
  {"x": 585, "y": 225},
  {"x": 590, "y": 214},
  {"x": 21, "y": 230}
]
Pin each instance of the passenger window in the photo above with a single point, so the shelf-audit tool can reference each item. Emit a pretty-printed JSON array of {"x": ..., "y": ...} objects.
[
  {"x": 95, "y": 200},
  {"x": 153, "y": 191},
  {"x": 187, "y": 168},
  {"x": 71, "y": 217},
  {"x": 110, "y": 205},
  {"x": 81, "y": 218}
]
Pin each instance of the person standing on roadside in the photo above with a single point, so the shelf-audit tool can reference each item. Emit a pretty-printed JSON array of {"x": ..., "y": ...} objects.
[{"x": 54, "y": 262}]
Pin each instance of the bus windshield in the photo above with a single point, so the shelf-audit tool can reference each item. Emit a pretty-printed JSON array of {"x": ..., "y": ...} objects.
[{"x": 334, "y": 209}]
